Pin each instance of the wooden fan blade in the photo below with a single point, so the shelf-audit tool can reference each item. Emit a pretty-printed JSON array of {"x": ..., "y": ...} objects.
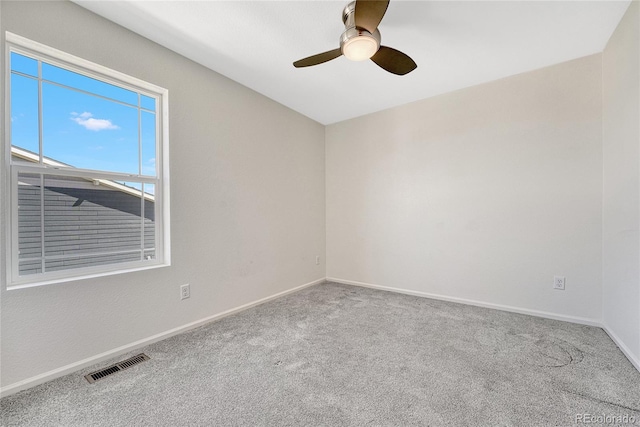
[
  {"x": 369, "y": 13},
  {"x": 318, "y": 59},
  {"x": 394, "y": 61}
]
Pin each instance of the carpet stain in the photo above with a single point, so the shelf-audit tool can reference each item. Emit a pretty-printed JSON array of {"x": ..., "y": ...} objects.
[
  {"x": 556, "y": 354},
  {"x": 595, "y": 399},
  {"x": 295, "y": 366},
  {"x": 335, "y": 314}
]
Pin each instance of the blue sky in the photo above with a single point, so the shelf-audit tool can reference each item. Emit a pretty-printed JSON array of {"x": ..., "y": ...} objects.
[{"x": 80, "y": 129}]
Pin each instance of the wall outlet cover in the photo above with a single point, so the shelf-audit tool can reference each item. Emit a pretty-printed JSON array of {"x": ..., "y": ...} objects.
[{"x": 185, "y": 291}]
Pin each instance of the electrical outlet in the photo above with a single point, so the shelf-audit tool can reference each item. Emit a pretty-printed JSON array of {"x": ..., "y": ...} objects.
[
  {"x": 318, "y": 260},
  {"x": 558, "y": 282},
  {"x": 185, "y": 291}
]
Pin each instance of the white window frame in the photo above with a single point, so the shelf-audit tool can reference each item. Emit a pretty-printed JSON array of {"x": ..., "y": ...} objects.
[{"x": 24, "y": 46}]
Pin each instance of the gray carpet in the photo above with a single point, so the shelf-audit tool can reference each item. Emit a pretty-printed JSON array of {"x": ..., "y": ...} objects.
[{"x": 340, "y": 355}]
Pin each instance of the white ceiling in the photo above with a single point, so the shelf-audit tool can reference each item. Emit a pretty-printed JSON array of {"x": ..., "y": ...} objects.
[{"x": 456, "y": 44}]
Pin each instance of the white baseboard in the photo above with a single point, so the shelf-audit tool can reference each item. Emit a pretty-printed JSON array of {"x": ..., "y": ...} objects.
[
  {"x": 72, "y": 367},
  {"x": 622, "y": 346},
  {"x": 537, "y": 313}
]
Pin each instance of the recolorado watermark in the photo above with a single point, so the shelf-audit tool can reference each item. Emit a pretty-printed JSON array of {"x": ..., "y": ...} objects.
[{"x": 604, "y": 419}]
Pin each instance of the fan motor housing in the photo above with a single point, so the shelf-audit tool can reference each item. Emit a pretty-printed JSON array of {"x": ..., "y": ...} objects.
[{"x": 348, "y": 17}]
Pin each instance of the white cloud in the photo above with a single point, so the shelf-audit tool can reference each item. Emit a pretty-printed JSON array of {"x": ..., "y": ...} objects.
[{"x": 87, "y": 121}]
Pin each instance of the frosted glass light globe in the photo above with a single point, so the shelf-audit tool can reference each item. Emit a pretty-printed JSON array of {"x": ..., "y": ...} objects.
[{"x": 360, "y": 48}]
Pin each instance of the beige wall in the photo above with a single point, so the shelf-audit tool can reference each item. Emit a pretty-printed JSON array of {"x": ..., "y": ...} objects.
[
  {"x": 247, "y": 205},
  {"x": 482, "y": 194},
  {"x": 621, "y": 171}
]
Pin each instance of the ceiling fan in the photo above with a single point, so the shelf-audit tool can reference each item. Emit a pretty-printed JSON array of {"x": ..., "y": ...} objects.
[{"x": 361, "y": 40}]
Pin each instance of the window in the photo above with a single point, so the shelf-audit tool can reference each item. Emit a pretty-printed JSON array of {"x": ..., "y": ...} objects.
[{"x": 88, "y": 168}]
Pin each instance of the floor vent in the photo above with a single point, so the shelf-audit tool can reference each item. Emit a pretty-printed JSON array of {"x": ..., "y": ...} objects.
[{"x": 120, "y": 366}]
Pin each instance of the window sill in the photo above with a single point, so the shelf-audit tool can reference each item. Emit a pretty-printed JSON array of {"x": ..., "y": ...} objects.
[{"x": 32, "y": 284}]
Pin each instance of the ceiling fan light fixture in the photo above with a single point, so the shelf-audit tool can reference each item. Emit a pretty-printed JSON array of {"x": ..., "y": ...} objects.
[
  {"x": 360, "y": 48},
  {"x": 358, "y": 44},
  {"x": 361, "y": 40}
]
